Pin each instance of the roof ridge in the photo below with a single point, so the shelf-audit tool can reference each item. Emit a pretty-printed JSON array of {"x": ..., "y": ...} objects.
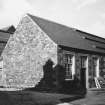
[
  {"x": 31, "y": 15},
  {"x": 73, "y": 29}
]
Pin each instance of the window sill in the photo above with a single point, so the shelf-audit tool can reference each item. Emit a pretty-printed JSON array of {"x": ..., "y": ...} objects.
[{"x": 69, "y": 79}]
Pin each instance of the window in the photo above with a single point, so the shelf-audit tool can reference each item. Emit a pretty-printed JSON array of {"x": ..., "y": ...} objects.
[
  {"x": 83, "y": 61},
  {"x": 68, "y": 62},
  {"x": 95, "y": 67}
]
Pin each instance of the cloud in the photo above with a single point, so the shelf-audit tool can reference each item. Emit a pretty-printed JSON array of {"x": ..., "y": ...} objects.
[
  {"x": 97, "y": 28},
  {"x": 61, "y": 11},
  {"x": 13, "y": 10},
  {"x": 42, "y": 4},
  {"x": 1, "y": 5},
  {"x": 103, "y": 16},
  {"x": 85, "y": 3}
]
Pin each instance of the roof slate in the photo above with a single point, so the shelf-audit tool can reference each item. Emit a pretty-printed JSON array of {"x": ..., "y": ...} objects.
[
  {"x": 9, "y": 29},
  {"x": 4, "y": 36},
  {"x": 70, "y": 37}
]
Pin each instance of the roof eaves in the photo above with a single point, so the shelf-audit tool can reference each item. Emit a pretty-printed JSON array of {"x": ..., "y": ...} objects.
[{"x": 6, "y": 31}]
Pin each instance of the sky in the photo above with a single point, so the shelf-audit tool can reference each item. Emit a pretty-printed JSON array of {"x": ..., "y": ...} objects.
[{"x": 85, "y": 15}]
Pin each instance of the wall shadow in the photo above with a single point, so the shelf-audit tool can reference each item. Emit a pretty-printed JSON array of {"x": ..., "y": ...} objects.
[
  {"x": 47, "y": 82},
  {"x": 54, "y": 81}
]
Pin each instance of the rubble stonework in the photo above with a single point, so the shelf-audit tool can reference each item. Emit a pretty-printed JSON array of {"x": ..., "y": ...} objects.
[
  {"x": 77, "y": 55},
  {"x": 26, "y": 52}
]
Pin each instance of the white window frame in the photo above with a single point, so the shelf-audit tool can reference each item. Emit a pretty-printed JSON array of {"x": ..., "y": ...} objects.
[
  {"x": 97, "y": 67},
  {"x": 72, "y": 66}
]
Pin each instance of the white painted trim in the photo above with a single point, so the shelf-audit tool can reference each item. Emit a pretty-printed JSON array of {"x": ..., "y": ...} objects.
[
  {"x": 97, "y": 68},
  {"x": 87, "y": 73},
  {"x": 73, "y": 66}
]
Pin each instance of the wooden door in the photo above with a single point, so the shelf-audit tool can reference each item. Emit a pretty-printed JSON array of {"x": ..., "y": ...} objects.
[{"x": 83, "y": 71}]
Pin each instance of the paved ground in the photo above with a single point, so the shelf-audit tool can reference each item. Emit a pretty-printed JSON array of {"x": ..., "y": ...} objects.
[
  {"x": 33, "y": 98},
  {"x": 92, "y": 98},
  {"x": 38, "y": 98}
]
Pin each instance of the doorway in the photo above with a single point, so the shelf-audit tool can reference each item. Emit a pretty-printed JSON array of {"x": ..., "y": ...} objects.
[
  {"x": 83, "y": 72},
  {"x": 95, "y": 67}
]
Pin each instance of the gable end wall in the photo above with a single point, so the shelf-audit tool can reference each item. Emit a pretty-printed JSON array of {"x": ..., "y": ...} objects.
[{"x": 25, "y": 54}]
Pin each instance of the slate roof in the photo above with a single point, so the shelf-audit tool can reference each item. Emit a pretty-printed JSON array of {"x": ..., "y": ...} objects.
[
  {"x": 5, "y": 35},
  {"x": 6, "y": 32},
  {"x": 10, "y": 29},
  {"x": 70, "y": 37}
]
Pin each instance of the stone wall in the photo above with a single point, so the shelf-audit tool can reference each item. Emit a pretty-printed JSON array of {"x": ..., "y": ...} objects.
[
  {"x": 26, "y": 52},
  {"x": 62, "y": 52}
]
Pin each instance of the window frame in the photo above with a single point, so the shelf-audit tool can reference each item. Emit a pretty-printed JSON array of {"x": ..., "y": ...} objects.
[
  {"x": 96, "y": 65},
  {"x": 70, "y": 60}
]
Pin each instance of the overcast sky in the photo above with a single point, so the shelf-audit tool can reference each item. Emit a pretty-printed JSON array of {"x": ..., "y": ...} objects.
[{"x": 86, "y": 15}]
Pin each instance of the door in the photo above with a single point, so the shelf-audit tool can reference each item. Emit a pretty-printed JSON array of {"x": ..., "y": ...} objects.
[
  {"x": 83, "y": 77},
  {"x": 94, "y": 72},
  {"x": 83, "y": 71}
]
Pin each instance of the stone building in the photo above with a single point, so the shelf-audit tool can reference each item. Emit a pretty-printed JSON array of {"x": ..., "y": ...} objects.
[
  {"x": 4, "y": 36},
  {"x": 78, "y": 54}
]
